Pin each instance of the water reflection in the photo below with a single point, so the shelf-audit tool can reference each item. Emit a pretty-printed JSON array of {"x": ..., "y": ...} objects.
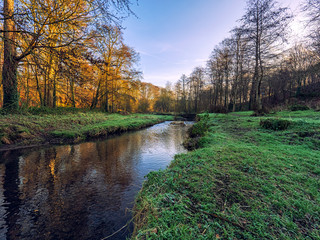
[{"x": 82, "y": 191}]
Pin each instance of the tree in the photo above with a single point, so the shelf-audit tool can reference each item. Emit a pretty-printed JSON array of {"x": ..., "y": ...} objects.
[
  {"x": 51, "y": 24},
  {"x": 164, "y": 101},
  {"x": 239, "y": 85},
  {"x": 300, "y": 59},
  {"x": 10, "y": 63},
  {"x": 196, "y": 85},
  {"x": 144, "y": 105},
  {"x": 312, "y": 8},
  {"x": 265, "y": 25},
  {"x": 217, "y": 67},
  {"x": 181, "y": 91}
]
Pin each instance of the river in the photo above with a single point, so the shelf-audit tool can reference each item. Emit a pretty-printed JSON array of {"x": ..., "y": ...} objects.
[{"x": 83, "y": 191}]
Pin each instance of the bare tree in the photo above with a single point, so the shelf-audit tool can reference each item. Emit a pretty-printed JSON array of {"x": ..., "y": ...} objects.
[
  {"x": 265, "y": 25},
  {"x": 312, "y": 8},
  {"x": 196, "y": 85},
  {"x": 238, "y": 85}
]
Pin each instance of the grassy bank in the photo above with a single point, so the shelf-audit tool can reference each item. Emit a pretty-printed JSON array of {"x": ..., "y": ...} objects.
[
  {"x": 67, "y": 127},
  {"x": 244, "y": 182}
]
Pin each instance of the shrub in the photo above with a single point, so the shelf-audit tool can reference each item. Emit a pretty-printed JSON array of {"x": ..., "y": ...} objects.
[
  {"x": 191, "y": 143},
  {"x": 261, "y": 112},
  {"x": 220, "y": 109},
  {"x": 275, "y": 124},
  {"x": 298, "y": 107},
  {"x": 199, "y": 129}
]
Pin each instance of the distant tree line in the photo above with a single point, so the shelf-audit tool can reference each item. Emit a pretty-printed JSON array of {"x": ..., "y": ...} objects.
[{"x": 252, "y": 69}]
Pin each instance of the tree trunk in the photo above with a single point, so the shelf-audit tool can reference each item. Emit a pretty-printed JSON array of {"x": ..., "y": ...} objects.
[
  {"x": 54, "y": 93},
  {"x": 106, "y": 106},
  {"x": 96, "y": 97},
  {"x": 73, "y": 102},
  {"x": 10, "y": 64},
  {"x": 38, "y": 87}
]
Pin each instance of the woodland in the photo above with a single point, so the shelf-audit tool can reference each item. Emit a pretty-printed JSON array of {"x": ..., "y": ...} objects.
[
  {"x": 246, "y": 177},
  {"x": 58, "y": 53}
]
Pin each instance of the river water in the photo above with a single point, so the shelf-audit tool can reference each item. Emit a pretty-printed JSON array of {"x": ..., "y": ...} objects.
[{"x": 83, "y": 191}]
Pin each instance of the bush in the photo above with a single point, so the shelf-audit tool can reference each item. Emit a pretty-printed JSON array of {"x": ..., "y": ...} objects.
[
  {"x": 298, "y": 107},
  {"x": 220, "y": 109},
  {"x": 191, "y": 143},
  {"x": 199, "y": 129},
  {"x": 275, "y": 124},
  {"x": 260, "y": 112}
]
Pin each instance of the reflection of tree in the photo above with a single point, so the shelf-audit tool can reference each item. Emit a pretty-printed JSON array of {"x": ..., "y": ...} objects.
[
  {"x": 116, "y": 159},
  {"x": 51, "y": 194},
  {"x": 68, "y": 190},
  {"x": 12, "y": 196},
  {"x": 81, "y": 191},
  {"x": 2, "y": 207}
]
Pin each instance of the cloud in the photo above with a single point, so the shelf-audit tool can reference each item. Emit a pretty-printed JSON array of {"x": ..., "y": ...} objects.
[
  {"x": 200, "y": 60},
  {"x": 191, "y": 62},
  {"x": 182, "y": 62},
  {"x": 164, "y": 47}
]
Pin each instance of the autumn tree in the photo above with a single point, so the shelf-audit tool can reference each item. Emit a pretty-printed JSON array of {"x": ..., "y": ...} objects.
[
  {"x": 50, "y": 25},
  {"x": 116, "y": 64},
  {"x": 10, "y": 63},
  {"x": 164, "y": 102},
  {"x": 146, "y": 97}
]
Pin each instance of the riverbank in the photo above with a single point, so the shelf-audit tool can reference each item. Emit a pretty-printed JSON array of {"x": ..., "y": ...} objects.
[
  {"x": 23, "y": 130},
  {"x": 251, "y": 178}
]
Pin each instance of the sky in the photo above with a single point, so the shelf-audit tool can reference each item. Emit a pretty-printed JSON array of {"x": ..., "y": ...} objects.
[{"x": 175, "y": 36}]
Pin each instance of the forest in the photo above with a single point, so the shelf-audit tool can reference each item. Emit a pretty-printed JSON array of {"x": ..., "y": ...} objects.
[{"x": 58, "y": 53}]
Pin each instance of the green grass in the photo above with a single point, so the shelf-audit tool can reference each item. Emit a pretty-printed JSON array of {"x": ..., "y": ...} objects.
[
  {"x": 68, "y": 126},
  {"x": 245, "y": 182}
]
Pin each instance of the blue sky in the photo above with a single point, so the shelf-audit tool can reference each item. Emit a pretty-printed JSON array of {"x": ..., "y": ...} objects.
[{"x": 174, "y": 36}]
